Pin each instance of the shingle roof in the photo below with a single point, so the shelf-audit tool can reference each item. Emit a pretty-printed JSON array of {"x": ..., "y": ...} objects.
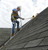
[
  {"x": 4, "y": 35},
  {"x": 32, "y": 36}
]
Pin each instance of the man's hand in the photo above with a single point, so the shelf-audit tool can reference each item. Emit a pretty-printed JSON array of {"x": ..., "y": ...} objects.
[{"x": 22, "y": 18}]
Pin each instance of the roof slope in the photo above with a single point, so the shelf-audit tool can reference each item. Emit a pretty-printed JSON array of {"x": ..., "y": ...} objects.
[
  {"x": 4, "y": 35},
  {"x": 33, "y": 35}
]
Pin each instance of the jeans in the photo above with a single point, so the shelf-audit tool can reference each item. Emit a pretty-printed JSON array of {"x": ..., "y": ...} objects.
[{"x": 14, "y": 24}]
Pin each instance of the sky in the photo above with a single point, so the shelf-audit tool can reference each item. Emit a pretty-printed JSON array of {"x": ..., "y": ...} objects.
[{"x": 28, "y": 9}]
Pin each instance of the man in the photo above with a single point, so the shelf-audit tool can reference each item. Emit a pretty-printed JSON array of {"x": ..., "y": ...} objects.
[{"x": 14, "y": 17}]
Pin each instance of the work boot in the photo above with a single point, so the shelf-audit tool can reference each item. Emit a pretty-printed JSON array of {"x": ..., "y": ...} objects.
[
  {"x": 18, "y": 29},
  {"x": 13, "y": 34}
]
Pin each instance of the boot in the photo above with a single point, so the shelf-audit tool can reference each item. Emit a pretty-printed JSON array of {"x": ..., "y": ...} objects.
[
  {"x": 13, "y": 34},
  {"x": 18, "y": 29}
]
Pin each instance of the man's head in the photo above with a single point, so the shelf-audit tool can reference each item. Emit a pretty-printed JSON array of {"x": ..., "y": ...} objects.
[
  {"x": 15, "y": 10},
  {"x": 18, "y": 8}
]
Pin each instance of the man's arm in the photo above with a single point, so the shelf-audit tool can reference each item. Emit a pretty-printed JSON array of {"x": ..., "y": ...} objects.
[
  {"x": 19, "y": 16},
  {"x": 22, "y": 18}
]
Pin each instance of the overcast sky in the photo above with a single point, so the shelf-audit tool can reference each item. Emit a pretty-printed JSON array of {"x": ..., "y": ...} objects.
[{"x": 28, "y": 9}]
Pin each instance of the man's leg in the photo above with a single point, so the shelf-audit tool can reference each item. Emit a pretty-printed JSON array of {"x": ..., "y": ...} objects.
[
  {"x": 17, "y": 25},
  {"x": 13, "y": 28}
]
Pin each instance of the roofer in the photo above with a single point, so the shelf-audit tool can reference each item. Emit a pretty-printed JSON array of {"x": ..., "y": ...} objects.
[{"x": 14, "y": 17}]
